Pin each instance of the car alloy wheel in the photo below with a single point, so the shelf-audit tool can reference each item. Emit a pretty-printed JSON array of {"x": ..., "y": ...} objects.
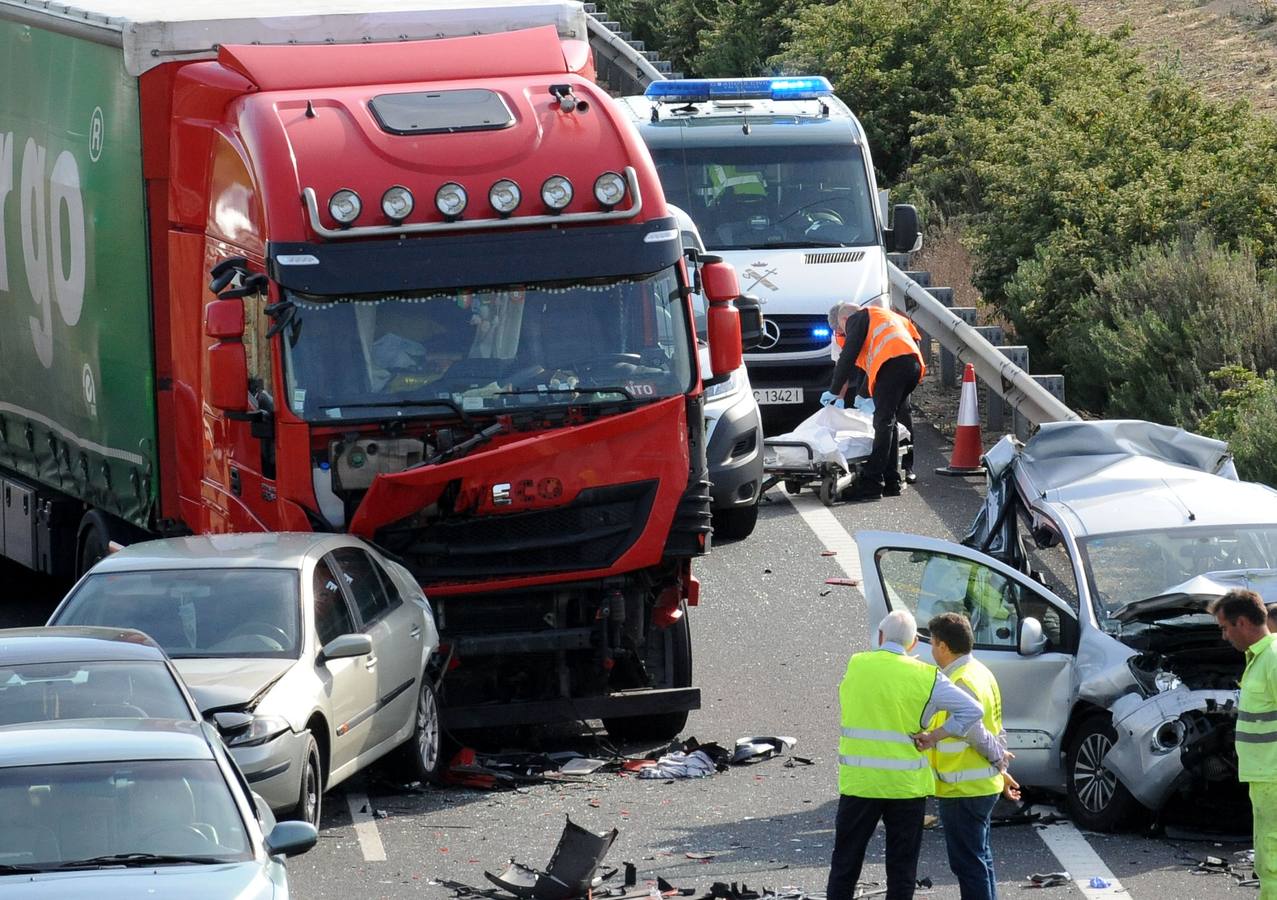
[
  {"x": 1094, "y": 784},
  {"x": 429, "y": 730}
]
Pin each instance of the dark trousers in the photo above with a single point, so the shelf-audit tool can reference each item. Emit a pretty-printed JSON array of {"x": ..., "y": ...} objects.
[
  {"x": 967, "y": 823},
  {"x": 857, "y": 820},
  {"x": 897, "y": 377}
]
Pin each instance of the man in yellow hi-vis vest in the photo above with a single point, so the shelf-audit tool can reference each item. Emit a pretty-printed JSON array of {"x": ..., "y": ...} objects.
[
  {"x": 1244, "y": 621},
  {"x": 967, "y": 787},
  {"x": 887, "y": 698}
]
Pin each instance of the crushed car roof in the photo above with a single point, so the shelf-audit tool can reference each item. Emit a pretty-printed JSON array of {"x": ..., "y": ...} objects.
[{"x": 1125, "y": 475}]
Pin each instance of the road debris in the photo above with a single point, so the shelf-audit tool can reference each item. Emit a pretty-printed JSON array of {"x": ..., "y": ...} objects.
[
  {"x": 572, "y": 872},
  {"x": 1049, "y": 879},
  {"x": 755, "y": 749}
]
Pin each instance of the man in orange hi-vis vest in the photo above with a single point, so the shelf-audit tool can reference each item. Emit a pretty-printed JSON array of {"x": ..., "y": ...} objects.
[{"x": 884, "y": 345}]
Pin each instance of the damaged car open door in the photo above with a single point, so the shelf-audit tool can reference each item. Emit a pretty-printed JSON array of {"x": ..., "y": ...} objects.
[{"x": 1025, "y": 634}]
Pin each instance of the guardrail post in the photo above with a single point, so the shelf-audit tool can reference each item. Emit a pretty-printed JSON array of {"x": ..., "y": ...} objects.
[
  {"x": 922, "y": 277},
  {"x": 899, "y": 260},
  {"x": 945, "y": 296},
  {"x": 998, "y": 409},
  {"x": 948, "y": 362},
  {"x": 1054, "y": 384}
]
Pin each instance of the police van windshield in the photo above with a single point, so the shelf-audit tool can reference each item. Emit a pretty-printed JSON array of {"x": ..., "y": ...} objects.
[
  {"x": 771, "y": 196},
  {"x": 363, "y": 356}
]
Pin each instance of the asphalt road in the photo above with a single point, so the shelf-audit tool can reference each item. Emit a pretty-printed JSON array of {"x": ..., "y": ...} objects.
[{"x": 771, "y": 640}]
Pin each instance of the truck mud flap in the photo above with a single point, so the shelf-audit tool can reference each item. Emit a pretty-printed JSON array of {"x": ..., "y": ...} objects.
[{"x": 617, "y": 705}]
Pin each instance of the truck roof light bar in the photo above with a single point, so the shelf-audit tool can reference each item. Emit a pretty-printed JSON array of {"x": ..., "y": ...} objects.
[
  {"x": 632, "y": 189},
  {"x": 699, "y": 90}
]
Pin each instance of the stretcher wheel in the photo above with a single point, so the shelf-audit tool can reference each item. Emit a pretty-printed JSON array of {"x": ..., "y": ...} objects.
[
  {"x": 828, "y": 489},
  {"x": 793, "y": 486}
]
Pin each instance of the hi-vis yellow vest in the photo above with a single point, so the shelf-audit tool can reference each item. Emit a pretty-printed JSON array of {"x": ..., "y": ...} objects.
[
  {"x": 883, "y": 696},
  {"x": 960, "y": 769},
  {"x": 1257, "y": 714}
]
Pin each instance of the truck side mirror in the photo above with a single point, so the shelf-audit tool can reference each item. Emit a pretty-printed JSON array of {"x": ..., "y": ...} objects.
[
  {"x": 227, "y": 361},
  {"x": 751, "y": 321},
  {"x": 903, "y": 233},
  {"x": 721, "y": 289}
]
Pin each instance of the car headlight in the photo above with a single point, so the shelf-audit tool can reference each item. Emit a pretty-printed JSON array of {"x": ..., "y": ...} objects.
[
  {"x": 734, "y": 383},
  {"x": 259, "y": 731}
]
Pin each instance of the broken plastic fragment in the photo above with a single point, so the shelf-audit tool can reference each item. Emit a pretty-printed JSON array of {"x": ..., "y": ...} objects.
[
  {"x": 571, "y": 872},
  {"x": 751, "y": 749},
  {"x": 1097, "y": 882}
]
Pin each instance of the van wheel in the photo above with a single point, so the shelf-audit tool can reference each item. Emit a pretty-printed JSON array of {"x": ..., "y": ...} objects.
[
  {"x": 737, "y": 522},
  {"x": 1096, "y": 799},
  {"x": 661, "y": 726},
  {"x": 310, "y": 787}
]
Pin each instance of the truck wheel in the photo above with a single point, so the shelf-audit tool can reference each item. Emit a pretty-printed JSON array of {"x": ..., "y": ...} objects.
[
  {"x": 737, "y": 522},
  {"x": 1096, "y": 799},
  {"x": 661, "y": 726},
  {"x": 95, "y": 537},
  {"x": 310, "y": 787}
]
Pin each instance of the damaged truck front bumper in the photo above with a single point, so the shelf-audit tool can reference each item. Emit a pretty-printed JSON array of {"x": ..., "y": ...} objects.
[{"x": 1170, "y": 737}]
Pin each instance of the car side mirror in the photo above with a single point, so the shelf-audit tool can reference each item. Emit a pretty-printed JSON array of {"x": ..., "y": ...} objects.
[
  {"x": 903, "y": 233},
  {"x": 751, "y": 321},
  {"x": 344, "y": 646},
  {"x": 291, "y": 838},
  {"x": 1032, "y": 641}
]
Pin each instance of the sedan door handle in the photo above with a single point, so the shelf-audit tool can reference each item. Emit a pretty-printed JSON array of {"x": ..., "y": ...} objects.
[
  {"x": 415, "y": 631},
  {"x": 370, "y": 662}
]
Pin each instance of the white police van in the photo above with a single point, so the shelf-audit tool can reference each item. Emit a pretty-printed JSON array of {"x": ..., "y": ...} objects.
[{"x": 777, "y": 175}]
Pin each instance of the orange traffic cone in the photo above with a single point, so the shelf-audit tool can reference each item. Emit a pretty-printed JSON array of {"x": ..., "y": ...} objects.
[{"x": 967, "y": 448}]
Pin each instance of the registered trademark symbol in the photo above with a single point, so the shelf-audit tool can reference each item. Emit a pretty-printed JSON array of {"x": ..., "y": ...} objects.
[
  {"x": 90, "y": 390},
  {"x": 97, "y": 134}
]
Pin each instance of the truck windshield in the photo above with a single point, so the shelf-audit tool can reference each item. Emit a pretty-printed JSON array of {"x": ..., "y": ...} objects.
[
  {"x": 771, "y": 196},
  {"x": 426, "y": 353}
]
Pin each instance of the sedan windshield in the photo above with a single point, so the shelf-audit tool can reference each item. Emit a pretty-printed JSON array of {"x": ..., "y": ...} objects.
[
  {"x": 94, "y": 815},
  {"x": 770, "y": 196},
  {"x": 1123, "y": 568},
  {"x": 524, "y": 345},
  {"x": 41, "y": 692},
  {"x": 196, "y": 612}
]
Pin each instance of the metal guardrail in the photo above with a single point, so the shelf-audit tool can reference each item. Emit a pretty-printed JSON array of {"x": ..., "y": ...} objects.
[
  {"x": 1010, "y": 382},
  {"x": 620, "y": 64}
]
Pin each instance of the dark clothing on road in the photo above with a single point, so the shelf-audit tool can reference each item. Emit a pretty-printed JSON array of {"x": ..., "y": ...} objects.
[
  {"x": 966, "y": 822},
  {"x": 896, "y": 380},
  {"x": 856, "y": 822}
]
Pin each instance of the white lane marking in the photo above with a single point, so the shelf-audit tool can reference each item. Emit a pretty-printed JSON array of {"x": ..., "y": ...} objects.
[
  {"x": 1079, "y": 859},
  {"x": 366, "y": 827},
  {"x": 1064, "y": 841},
  {"x": 823, "y": 523}
]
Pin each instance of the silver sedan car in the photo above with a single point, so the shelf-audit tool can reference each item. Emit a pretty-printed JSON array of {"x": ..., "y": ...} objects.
[
  {"x": 120, "y": 807},
  {"x": 313, "y": 653},
  {"x": 1086, "y": 578}
]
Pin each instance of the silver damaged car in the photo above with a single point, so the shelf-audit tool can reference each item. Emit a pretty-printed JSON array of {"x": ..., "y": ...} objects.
[{"x": 1086, "y": 576}]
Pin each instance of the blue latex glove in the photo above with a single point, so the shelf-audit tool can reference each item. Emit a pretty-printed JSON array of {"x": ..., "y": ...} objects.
[
  {"x": 827, "y": 398},
  {"x": 864, "y": 404}
]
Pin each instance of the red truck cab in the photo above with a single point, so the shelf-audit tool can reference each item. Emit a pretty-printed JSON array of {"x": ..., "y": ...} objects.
[{"x": 429, "y": 292}]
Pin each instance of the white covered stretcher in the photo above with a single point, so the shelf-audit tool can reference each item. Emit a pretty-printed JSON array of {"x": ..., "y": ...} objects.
[{"x": 829, "y": 446}]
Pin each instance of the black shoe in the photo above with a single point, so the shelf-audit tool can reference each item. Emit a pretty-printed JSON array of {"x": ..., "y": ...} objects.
[
  {"x": 910, "y": 476},
  {"x": 892, "y": 489}
]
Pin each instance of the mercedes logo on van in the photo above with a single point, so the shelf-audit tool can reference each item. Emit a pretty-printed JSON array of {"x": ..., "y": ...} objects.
[{"x": 771, "y": 335}]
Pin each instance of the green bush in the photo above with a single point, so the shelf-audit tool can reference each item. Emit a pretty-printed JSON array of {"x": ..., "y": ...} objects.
[
  {"x": 1246, "y": 417},
  {"x": 1154, "y": 327}
]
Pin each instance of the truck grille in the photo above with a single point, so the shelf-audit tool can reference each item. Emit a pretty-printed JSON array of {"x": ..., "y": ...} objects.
[
  {"x": 796, "y": 334},
  {"x": 591, "y": 532}
]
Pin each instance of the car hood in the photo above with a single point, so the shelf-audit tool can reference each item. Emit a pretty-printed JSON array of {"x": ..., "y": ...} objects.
[
  {"x": 222, "y": 683},
  {"x": 809, "y": 280},
  {"x": 1196, "y": 594},
  {"x": 243, "y": 881}
]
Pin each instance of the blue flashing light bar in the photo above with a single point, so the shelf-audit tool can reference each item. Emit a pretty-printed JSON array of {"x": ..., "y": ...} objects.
[
  {"x": 699, "y": 90},
  {"x": 821, "y": 332}
]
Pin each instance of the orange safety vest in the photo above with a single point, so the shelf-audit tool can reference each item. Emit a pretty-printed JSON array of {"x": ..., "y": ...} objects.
[{"x": 889, "y": 335}]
